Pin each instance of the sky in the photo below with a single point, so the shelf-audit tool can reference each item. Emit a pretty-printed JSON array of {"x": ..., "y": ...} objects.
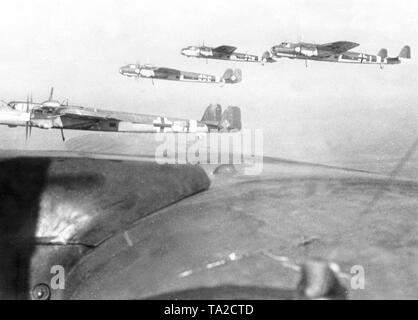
[{"x": 321, "y": 113}]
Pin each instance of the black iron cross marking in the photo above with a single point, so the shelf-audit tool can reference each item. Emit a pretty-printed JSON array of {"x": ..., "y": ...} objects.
[{"x": 162, "y": 123}]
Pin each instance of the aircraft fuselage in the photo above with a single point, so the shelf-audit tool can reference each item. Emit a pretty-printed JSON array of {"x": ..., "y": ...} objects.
[
  {"x": 307, "y": 51},
  {"x": 48, "y": 118},
  {"x": 138, "y": 71}
]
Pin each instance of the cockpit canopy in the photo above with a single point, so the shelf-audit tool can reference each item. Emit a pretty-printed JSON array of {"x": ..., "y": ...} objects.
[
  {"x": 285, "y": 44},
  {"x": 18, "y": 106},
  {"x": 12, "y": 105}
]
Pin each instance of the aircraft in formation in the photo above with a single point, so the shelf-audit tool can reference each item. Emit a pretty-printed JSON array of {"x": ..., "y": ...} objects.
[
  {"x": 336, "y": 52},
  {"x": 224, "y": 52},
  {"x": 53, "y": 114},
  {"x": 162, "y": 73},
  {"x": 59, "y": 115}
]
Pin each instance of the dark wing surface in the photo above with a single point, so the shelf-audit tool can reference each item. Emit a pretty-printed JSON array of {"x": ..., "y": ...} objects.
[
  {"x": 167, "y": 73},
  {"x": 337, "y": 47},
  {"x": 225, "y": 49}
]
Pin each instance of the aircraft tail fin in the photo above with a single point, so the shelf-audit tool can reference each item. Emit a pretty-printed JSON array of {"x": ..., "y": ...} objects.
[
  {"x": 267, "y": 57},
  {"x": 231, "y": 119},
  {"x": 383, "y": 53},
  {"x": 405, "y": 53},
  {"x": 212, "y": 115},
  {"x": 232, "y": 76}
]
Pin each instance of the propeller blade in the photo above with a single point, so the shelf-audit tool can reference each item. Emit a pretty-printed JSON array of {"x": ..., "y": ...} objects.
[
  {"x": 51, "y": 94},
  {"x": 28, "y": 126},
  {"x": 26, "y": 131},
  {"x": 62, "y": 134}
]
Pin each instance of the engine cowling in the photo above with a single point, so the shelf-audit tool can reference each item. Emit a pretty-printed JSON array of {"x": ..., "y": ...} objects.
[{"x": 307, "y": 51}]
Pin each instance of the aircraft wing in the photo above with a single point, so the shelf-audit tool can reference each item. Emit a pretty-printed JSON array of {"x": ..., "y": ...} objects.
[
  {"x": 167, "y": 73},
  {"x": 337, "y": 47},
  {"x": 80, "y": 118},
  {"x": 86, "y": 114},
  {"x": 225, "y": 49}
]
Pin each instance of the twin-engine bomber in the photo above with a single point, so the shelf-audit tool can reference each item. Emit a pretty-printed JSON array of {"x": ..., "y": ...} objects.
[
  {"x": 162, "y": 73},
  {"x": 336, "y": 52},
  {"x": 53, "y": 114}
]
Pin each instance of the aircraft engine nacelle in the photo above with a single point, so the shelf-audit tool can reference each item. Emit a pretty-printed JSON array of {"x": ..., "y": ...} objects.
[
  {"x": 307, "y": 51},
  {"x": 14, "y": 118},
  {"x": 206, "y": 52},
  {"x": 43, "y": 123},
  {"x": 147, "y": 73},
  {"x": 190, "y": 52}
]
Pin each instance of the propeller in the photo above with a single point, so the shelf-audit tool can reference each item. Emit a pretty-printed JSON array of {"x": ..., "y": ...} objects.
[
  {"x": 28, "y": 127},
  {"x": 300, "y": 39},
  {"x": 62, "y": 134},
  {"x": 51, "y": 94},
  {"x": 138, "y": 62},
  {"x": 203, "y": 45}
]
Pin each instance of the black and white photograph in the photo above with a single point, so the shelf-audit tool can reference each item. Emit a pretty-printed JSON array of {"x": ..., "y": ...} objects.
[{"x": 208, "y": 150}]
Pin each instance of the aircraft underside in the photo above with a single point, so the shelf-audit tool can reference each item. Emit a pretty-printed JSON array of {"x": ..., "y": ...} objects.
[
  {"x": 348, "y": 57},
  {"x": 240, "y": 57},
  {"x": 161, "y": 124}
]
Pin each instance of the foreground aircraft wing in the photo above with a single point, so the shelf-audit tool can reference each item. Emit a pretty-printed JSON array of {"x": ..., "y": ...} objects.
[
  {"x": 337, "y": 47},
  {"x": 225, "y": 49},
  {"x": 97, "y": 215}
]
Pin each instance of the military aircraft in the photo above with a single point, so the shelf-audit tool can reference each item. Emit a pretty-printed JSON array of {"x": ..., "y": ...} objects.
[
  {"x": 53, "y": 114},
  {"x": 336, "y": 52},
  {"x": 224, "y": 53},
  {"x": 153, "y": 72}
]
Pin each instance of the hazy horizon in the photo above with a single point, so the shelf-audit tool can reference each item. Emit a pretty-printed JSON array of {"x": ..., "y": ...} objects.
[{"x": 319, "y": 113}]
